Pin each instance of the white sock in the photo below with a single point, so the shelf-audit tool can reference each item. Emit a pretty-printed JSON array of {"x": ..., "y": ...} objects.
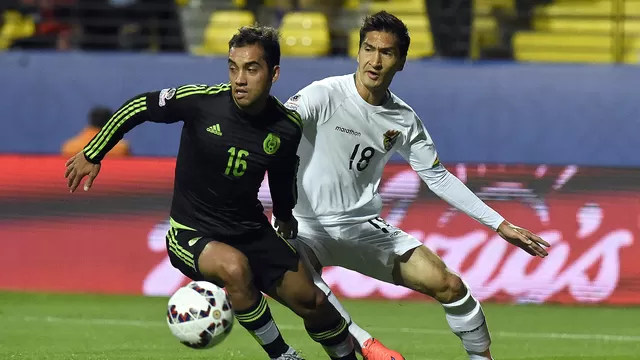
[
  {"x": 359, "y": 334},
  {"x": 478, "y": 357},
  {"x": 267, "y": 333},
  {"x": 467, "y": 321}
]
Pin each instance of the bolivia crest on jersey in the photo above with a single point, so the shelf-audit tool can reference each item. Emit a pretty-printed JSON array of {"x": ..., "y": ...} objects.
[
  {"x": 271, "y": 144},
  {"x": 389, "y": 139}
]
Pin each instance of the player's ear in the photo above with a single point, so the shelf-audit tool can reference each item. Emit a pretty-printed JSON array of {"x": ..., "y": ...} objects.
[{"x": 275, "y": 74}]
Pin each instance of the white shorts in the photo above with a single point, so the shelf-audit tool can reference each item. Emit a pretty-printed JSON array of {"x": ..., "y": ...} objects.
[{"x": 369, "y": 248}]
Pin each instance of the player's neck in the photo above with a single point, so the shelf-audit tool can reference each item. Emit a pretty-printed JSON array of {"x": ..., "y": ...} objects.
[
  {"x": 255, "y": 109},
  {"x": 374, "y": 97}
]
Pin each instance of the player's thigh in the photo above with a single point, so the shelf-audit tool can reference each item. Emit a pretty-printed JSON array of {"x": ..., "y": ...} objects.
[
  {"x": 270, "y": 257},
  {"x": 307, "y": 254},
  {"x": 224, "y": 263},
  {"x": 308, "y": 245},
  {"x": 317, "y": 246},
  {"x": 373, "y": 248},
  {"x": 424, "y": 271},
  {"x": 202, "y": 258},
  {"x": 280, "y": 272}
]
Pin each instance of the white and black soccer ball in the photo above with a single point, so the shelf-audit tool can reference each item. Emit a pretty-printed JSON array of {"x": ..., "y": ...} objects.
[{"x": 200, "y": 315}]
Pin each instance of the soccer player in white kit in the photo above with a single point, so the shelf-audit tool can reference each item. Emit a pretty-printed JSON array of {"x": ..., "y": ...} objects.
[{"x": 352, "y": 126}]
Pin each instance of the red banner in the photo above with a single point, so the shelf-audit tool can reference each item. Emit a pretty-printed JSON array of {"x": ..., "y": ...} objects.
[{"x": 111, "y": 239}]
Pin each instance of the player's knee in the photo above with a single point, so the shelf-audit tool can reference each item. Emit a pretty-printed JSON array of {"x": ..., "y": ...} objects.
[
  {"x": 311, "y": 302},
  {"x": 428, "y": 274},
  {"x": 441, "y": 284},
  {"x": 232, "y": 269},
  {"x": 236, "y": 272},
  {"x": 450, "y": 289}
]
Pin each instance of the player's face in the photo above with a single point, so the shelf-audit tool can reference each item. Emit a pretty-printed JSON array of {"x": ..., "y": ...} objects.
[
  {"x": 250, "y": 76},
  {"x": 378, "y": 60}
]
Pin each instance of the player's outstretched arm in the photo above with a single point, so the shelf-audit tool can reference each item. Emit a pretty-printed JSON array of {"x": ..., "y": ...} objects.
[
  {"x": 423, "y": 158},
  {"x": 165, "y": 106},
  {"x": 457, "y": 194},
  {"x": 523, "y": 238}
]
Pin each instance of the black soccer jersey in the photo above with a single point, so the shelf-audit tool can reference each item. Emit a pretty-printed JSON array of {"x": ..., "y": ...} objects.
[{"x": 223, "y": 156}]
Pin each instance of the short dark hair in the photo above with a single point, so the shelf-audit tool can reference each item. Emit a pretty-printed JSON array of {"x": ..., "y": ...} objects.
[
  {"x": 384, "y": 21},
  {"x": 265, "y": 36},
  {"x": 99, "y": 116}
]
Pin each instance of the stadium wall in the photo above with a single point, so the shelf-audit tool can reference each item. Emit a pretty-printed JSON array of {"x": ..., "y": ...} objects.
[{"x": 486, "y": 113}]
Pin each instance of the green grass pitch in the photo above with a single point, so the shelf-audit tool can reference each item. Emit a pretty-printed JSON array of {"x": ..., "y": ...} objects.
[{"x": 84, "y": 327}]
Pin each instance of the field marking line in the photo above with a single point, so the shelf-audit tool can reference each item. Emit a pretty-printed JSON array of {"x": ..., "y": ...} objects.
[{"x": 504, "y": 334}]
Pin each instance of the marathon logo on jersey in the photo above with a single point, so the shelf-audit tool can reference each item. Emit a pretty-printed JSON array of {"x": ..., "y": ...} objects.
[
  {"x": 348, "y": 131},
  {"x": 291, "y": 104},
  {"x": 166, "y": 94},
  {"x": 389, "y": 139}
]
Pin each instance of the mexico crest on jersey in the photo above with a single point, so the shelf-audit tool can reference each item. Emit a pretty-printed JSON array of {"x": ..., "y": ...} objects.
[
  {"x": 389, "y": 139},
  {"x": 271, "y": 144}
]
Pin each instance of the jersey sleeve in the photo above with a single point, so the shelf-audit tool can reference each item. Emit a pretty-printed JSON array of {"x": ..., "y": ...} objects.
[
  {"x": 418, "y": 148},
  {"x": 310, "y": 103},
  {"x": 164, "y": 106},
  {"x": 421, "y": 154},
  {"x": 283, "y": 180}
]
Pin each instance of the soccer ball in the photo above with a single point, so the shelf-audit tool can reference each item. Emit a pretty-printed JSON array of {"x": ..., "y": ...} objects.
[{"x": 200, "y": 315}]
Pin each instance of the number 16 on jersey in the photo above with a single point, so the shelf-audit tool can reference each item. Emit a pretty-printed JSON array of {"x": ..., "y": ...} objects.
[
  {"x": 365, "y": 156},
  {"x": 236, "y": 165}
]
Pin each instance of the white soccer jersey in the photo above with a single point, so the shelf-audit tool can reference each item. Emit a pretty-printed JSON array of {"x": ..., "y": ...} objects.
[{"x": 347, "y": 142}]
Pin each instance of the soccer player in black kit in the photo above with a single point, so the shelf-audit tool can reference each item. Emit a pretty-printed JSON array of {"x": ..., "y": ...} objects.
[{"x": 232, "y": 135}]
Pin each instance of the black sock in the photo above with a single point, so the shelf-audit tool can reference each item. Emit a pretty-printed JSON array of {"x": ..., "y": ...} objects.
[
  {"x": 335, "y": 340},
  {"x": 258, "y": 321}
]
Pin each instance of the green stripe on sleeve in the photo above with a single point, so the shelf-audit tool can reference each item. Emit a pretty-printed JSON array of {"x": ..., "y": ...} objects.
[
  {"x": 212, "y": 90},
  {"x": 105, "y": 134},
  {"x": 292, "y": 115}
]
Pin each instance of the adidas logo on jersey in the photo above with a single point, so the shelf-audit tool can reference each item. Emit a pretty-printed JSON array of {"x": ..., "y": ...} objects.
[
  {"x": 215, "y": 129},
  {"x": 347, "y": 131}
]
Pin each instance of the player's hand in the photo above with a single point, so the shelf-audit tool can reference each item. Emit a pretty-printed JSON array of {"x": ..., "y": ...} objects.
[
  {"x": 287, "y": 229},
  {"x": 77, "y": 168},
  {"x": 523, "y": 238}
]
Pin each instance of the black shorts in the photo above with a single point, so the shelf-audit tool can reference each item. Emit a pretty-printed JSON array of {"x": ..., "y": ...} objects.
[{"x": 269, "y": 254}]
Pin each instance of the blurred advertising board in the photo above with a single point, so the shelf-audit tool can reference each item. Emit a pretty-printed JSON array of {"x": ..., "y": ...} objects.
[{"x": 111, "y": 239}]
